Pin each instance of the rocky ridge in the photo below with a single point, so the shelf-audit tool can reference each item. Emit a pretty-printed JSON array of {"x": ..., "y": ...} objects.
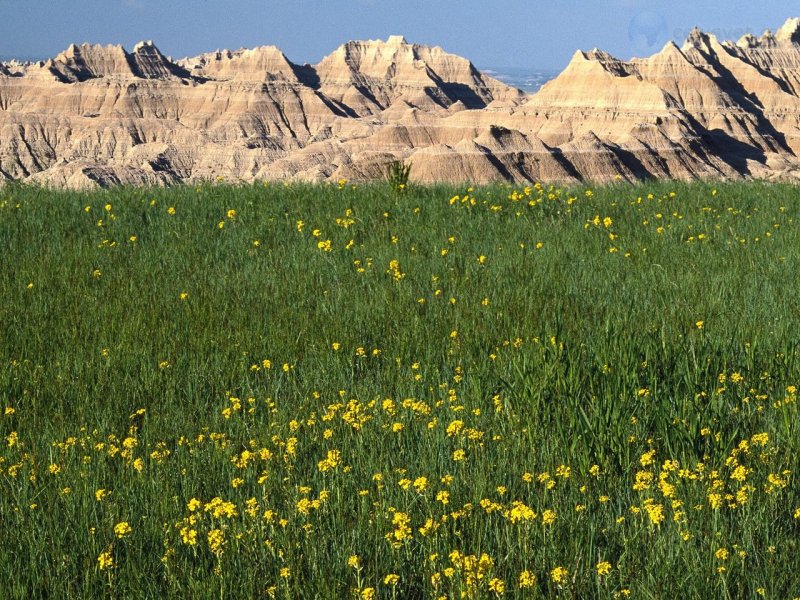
[{"x": 100, "y": 115}]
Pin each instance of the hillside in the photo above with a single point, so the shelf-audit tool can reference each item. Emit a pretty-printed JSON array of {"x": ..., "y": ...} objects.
[{"x": 102, "y": 115}]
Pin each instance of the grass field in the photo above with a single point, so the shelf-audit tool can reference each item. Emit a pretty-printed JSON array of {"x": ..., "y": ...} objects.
[{"x": 339, "y": 391}]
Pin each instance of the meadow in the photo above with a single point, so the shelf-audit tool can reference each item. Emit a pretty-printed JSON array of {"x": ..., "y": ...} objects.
[{"x": 347, "y": 391}]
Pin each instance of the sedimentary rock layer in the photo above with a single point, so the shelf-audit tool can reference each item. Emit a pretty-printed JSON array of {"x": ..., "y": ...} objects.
[{"x": 97, "y": 115}]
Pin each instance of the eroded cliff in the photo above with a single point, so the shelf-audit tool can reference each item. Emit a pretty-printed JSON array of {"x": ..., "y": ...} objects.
[{"x": 97, "y": 115}]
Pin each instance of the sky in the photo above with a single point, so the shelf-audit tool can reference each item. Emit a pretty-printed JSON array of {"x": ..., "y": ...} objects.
[{"x": 492, "y": 33}]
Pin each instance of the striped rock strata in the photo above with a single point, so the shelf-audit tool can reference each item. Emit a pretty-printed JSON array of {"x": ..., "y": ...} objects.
[{"x": 97, "y": 115}]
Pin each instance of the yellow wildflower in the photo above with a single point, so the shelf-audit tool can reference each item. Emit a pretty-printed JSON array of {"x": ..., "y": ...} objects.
[
  {"x": 122, "y": 529},
  {"x": 526, "y": 580},
  {"x": 105, "y": 560},
  {"x": 559, "y": 575}
]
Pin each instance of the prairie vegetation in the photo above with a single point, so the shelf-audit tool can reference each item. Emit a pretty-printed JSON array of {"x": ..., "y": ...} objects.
[{"x": 330, "y": 391}]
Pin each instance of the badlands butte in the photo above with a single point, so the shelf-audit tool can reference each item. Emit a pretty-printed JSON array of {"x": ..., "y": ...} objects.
[{"x": 97, "y": 115}]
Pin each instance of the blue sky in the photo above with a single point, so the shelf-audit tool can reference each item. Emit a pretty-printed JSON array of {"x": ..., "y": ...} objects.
[{"x": 500, "y": 33}]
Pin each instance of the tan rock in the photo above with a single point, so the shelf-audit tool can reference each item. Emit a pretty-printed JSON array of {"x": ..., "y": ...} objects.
[
  {"x": 265, "y": 63},
  {"x": 100, "y": 115}
]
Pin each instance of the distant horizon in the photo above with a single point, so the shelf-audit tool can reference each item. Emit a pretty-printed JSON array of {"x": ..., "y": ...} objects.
[{"x": 509, "y": 34}]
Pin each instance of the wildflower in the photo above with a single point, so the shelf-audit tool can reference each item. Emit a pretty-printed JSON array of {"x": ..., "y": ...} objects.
[
  {"x": 219, "y": 508},
  {"x": 101, "y": 494},
  {"x": 353, "y": 562},
  {"x": 497, "y": 586},
  {"x": 559, "y": 575},
  {"x": 520, "y": 512},
  {"x": 402, "y": 527},
  {"x": 331, "y": 461},
  {"x": 526, "y": 580},
  {"x": 429, "y": 527},
  {"x": 122, "y": 529},
  {"x": 775, "y": 481},
  {"x": 395, "y": 271},
  {"x": 171, "y": 210},
  {"x": 216, "y": 541},
  {"x": 391, "y": 579},
  {"x": 105, "y": 560},
  {"x": 647, "y": 458},
  {"x": 740, "y": 473},
  {"x": 655, "y": 512},
  {"x": 603, "y": 568},
  {"x": 459, "y": 455},
  {"x": 454, "y": 428},
  {"x": 188, "y": 536}
]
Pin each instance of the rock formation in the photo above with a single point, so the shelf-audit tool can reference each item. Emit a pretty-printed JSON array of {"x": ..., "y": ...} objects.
[{"x": 96, "y": 115}]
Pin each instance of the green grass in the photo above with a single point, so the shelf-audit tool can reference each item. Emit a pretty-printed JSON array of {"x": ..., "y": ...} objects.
[{"x": 567, "y": 343}]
